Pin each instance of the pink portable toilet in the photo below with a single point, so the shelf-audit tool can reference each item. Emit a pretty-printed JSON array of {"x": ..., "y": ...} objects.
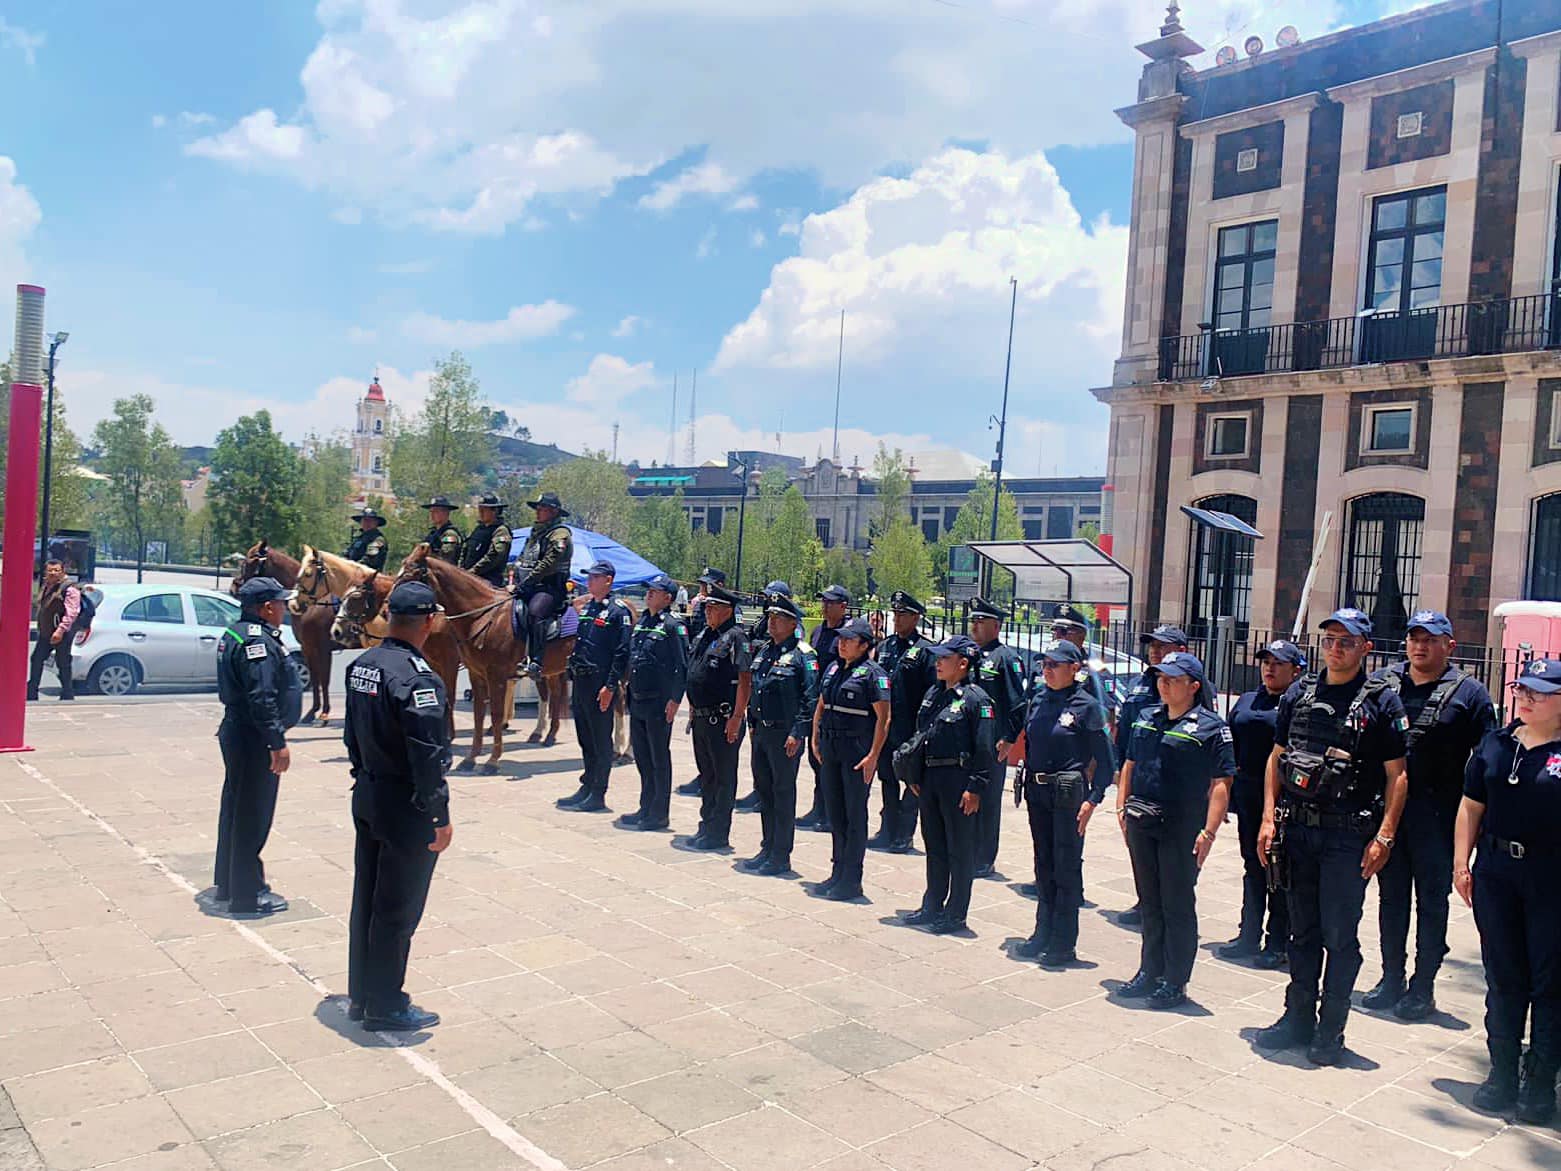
[{"x": 1528, "y": 630}]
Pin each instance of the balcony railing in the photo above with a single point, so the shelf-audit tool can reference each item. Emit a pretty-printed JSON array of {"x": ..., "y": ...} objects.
[{"x": 1441, "y": 331}]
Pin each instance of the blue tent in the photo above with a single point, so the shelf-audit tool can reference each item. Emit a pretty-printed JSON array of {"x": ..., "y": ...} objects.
[{"x": 593, "y": 547}]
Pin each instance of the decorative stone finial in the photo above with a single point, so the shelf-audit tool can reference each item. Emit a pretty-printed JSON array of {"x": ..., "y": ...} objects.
[{"x": 1173, "y": 20}]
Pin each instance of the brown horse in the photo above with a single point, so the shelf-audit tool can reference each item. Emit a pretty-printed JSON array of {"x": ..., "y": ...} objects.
[{"x": 312, "y": 627}]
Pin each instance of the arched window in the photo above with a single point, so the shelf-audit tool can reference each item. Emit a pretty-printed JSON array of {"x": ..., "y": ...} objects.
[
  {"x": 378, "y": 465},
  {"x": 1220, "y": 569},
  {"x": 1544, "y": 554},
  {"x": 1382, "y": 561},
  {"x": 379, "y": 426}
]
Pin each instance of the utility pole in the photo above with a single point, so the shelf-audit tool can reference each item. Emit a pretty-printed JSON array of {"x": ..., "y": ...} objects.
[
  {"x": 615, "y": 443},
  {"x": 742, "y": 516},
  {"x": 693, "y": 396},
  {"x": 1002, "y": 424},
  {"x": 840, "y": 361},
  {"x": 672, "y": 427}
]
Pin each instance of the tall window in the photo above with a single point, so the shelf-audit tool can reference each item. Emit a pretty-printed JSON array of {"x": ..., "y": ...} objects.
[
  {"x": 1221, "y": 573},
  {"x": 1382, "y": 561},
  {"x": 1544, "y": 558},
  {"x": 1404, "y": 269},
  {"x": 821, "y": 530},
  {"x": 1244, "y": 276}
]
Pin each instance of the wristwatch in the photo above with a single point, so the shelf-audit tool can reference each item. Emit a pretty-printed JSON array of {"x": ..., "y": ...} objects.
[{"x": 1385, "y": 843}]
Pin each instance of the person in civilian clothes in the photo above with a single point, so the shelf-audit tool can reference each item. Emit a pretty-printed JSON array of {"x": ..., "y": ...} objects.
[
  {"x": 59, "y": 605},
  {"x": 658, "y": 670},
  {"x": 1158, "y": 643},
  {"x": 1000, "y": 673},
  {"x": 718, "y": 686},
  {"x": 906, "y": 658},
  {"x": 596, "y": 667},
  {"x": 835, "y": 600},
  {"x": 784, "y": 691}
]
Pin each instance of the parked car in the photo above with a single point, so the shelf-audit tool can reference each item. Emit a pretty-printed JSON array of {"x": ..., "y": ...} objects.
[{"x": 157, "y": 635}]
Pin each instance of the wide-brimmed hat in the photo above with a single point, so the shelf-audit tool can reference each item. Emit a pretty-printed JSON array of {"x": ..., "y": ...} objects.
[
  {"x": 441, "y": 502},
  {"x": 548, "y": 500},
  {"x": 368, "y": 512}
]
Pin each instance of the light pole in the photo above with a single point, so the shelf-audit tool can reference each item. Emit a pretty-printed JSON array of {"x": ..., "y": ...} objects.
[
  {"x": 1002, "y": 425},
  {"x": 55, "y": 343},
  {"x": 742, "y": 514}
]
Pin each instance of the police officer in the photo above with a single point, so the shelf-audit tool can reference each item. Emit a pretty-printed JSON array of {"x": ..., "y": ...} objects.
[
  {"x": 1070, "y": 625},
  {"x": 542, "y": 573},
  {"x": 443, "y": 539},
  {"x": 758, "y": 634},
  {"x": 906, "y": 658},
  {"x": 1280, "y": 664},
  {"x": 1337, "y": 784},
  {"x": 784, "y": 692},
  {"x": 486, "y": 551},
  {"x": 957, "y": 728},
  {"x": 1067, "y": 764},
  {"x": 598, "y": 664},
  {"x": 1510, "y": 819},
  {"x": 696, "y": 625},
  {"x": 261, "y": 699},
  {"x": 718, "y": 688},
  {"x": 835, "y": 600},
  {"x": 1449, "y": 713},
  {"x": 368, "y": 545},
  {"x": 1171, "y": 799},
  {"x": 399, "y": 746},
  {"x": 1158, "y": 643},
  {"x": 1000, "y": 674},
  {"x": 658, "y": 669},
  {"x": 850, "y": 726}
]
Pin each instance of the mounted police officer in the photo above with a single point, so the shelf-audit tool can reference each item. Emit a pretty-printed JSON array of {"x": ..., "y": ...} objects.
[
  {"x": 906, "y": 658},
  {"x": 542, "y": 573},
  {"x": 598, "y": 664},
  {"x": 718, "y": 686},
  {"x": 658, "y": 672},
  {"x": 399, "y": 746},
  {"x": 1449, "y": 713},
  {"x": 836, "y": 600},
  {"x": 758, "y": 635},
  {"x": 999, "y": 673},
  {"x": 949, "y": 765},
  {"x": 368, "y": 545},
  {"x": 1158, "y": 643},
  {"x": 784, "y": 691},
  {"x": 1336, "y": 783},
  {"x": 444, "y": 539},
  {"x": 261, "y": 699},
  {"x": 486, "y": 551}
]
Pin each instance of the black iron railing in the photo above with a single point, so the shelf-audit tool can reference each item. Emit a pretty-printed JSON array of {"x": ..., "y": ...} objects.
[{"x": 1442, "y": 331}]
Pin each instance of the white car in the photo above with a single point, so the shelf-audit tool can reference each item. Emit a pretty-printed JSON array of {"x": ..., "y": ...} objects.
[{"x": 157, "y": 635}]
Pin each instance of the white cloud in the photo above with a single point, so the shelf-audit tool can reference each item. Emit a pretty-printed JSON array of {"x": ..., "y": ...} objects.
[
  {"x": 627, "y": 327},
  {"x": 748, "y": 202},
  {"x": 757, "y": 238},
  {"x": 185, "y": 119},
  {"x": 706, "y": 248},
  {"x": 790, "y": 228},
  {"x": 255, "y": 139},
  {"x": 20, "y": 215},
  {"x": 704, "y": 179},
  {"x": 609, "y": 380},
  {"x": 522, "y": 323},
  {"x": 22, "y": 40},
  {"x": 159, "y": 121}
]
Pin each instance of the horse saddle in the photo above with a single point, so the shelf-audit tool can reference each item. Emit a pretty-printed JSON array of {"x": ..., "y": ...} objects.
[{"x": 554, "y": 627}]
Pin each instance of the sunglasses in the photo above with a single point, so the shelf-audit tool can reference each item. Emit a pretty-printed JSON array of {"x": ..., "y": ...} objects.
[{"x": 1344, "y": 642}]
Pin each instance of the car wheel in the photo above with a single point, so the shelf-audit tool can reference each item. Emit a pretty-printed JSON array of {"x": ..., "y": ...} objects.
[
  {"x": 305, "y": 679},
  {"x": 114, "y": 675}
]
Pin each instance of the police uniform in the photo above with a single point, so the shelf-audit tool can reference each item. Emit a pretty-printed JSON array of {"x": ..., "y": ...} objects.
[
  {"x": 696, "y": 626},
  {"x": 399, "y": 746},
  {"x": 1448, "y": 717},
  {"x": 444, "y": 541},
  {"x": 910, "y": 666},
  {"x": 368, "y": 545},
  {"x": 999, "y": 673},
  {"x": 542, "y": 573},
  {"x": 758, "y": 635},
  {"x": 716, "y": 664},
  {"x": 1067, "y": 761},
  {"x": 600, "y": 659},
  {"x": 658, "y": 669},
  {"x": 780, "y": 708},
  {"x": 261, "y": 699},
  {"x": 823, "y": 642},
  {"x": 847, "y": 727},
  {"x": 486, "y": 551}
]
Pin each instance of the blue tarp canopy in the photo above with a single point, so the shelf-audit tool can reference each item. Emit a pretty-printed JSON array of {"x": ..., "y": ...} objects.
[{"x": 593, "y": 547}]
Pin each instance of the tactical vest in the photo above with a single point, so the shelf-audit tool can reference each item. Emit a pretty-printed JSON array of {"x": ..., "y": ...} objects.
[
  {"x": 477, "y": 544},
  {"x": 1322, "y": 760},
  {"x": 1434, "y": 704}
]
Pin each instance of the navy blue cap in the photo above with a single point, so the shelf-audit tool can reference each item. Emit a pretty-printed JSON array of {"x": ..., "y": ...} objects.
[
  {"x": 981, "y": 608},
  {"x": 902, "y": 603},
  {"x": 1541, "y": 675},
  {"x": 834, "y": 593},
  {"x": 413, "y": 597},
  {"x": 1353, "y": 620},
  {"x": 1063, "y": 652},
  {"x": 663, "y": 583},
  {"x": 784, "y": 606},
  {"x": 779, "y": 588},
  {"x": 603, "y": 568},
  {"x": 957, "y": 644},
  {"x": 1180, "y": 663},
  {"x": 1432, "y": 622},
  {"x": 720, "y": 594},
  {"x": 1065, "y": 615},
  {"x": 1283, "y": 652},
  {"x": 259, "y": 590},
  {"x": 713, "y": 576},
  {"x": 855, "y": 628},
  {"x": 1171, "y": 635}
]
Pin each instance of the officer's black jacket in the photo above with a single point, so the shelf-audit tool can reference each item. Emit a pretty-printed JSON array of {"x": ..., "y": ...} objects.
[
  {"x": 1252, "y": 727},
  {"x": 911, "y": 669},
  {"x": 396, "y": 734},
  {"x": 964, "y": 725},
  {"x": 1142, "y": 694},
  {"x": 1064, "y": 731},
  {"x": 1174, "y": 760},
  {"x": 486, "y": 552},
  {"x": 848, "y": 692},
  {"x": 1000, "y": 673},
  {"x": 719, "y": 657},
  {"x": 255, "y": 681},
  {"x": 368, "y": 548},
  {"x": 445, "y": 541},
  {"x": 601, "y": 654},
  {"x": 658, "y": 661},
  {"x": 1381, "y": 740},
  {"x": 1521, "y": 791},
  {"x": 785, "y": 686},
  {"x": 1436, "y": 762},
  {"x": 823, "y": 639}
]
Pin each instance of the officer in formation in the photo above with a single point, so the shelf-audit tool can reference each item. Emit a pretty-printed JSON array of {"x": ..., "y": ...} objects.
[
  {"x": 952, "y": 760},
  {"x": 1171, "y": 800},
  {"x": 368, "y": 544},
  {"x": 758, "y": 634},
  {"x": 1335, "y": 790},
  {"x": 444, "y": 540},
  {"x": 261, "y": 699},
  {"x": 1067, "y": 765},
  {"x": 1252, "y": 720},
  {"x": 1510, "y": 820},
  {"x": 1155, "y": 645},
  {"x": 1070, "y": 625},
  {"x": 486, "y": 552},
  {"x": 1449, "y": 713},
  {"x": 542, "y": 573},
  {"x": 399, "y": 746},
  {"x": 906, "y": 658},
  {"x": 599, "y": 663},
  {"x": 1000, "y": 674},
  {"x": 658, "y": 669},
  {"x": 835, "y": 600},
  {"x": 718, "y": 686},
  {"x": 850, "y": 726},
  {"x": 696, "y": 626},
  {"x": 784, "y": 692}
]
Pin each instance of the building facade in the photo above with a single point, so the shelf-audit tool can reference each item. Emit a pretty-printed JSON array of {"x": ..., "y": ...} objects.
[
  {"x": 371, "y": 445},
  {"x": 1344, "y": 309}
]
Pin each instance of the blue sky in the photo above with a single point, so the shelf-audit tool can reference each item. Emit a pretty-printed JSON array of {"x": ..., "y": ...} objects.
[{"x": 236, "y": 205}]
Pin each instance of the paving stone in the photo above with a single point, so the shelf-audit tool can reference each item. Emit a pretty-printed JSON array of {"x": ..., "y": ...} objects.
[
  {"x": 320, "y": 1140},
  {"x": 108, "y": 1133},
  {"x": 76, "y": 1088},
  {"x": 236, "y": 1103}
]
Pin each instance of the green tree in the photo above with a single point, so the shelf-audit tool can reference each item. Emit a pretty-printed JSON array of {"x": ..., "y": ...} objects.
[
  {"x": 893, "y": 484},
  {"x": 974, "y": 522},
  {"x": 902, "y": 560},
  {"x": 142, "y": 465},
  {"x": 793, "y": 552},
  {"x": 327, "y": 482},
  {"x": 845, "y": 567},
  {"x": 256, "y": 484},
  {"x": 444, "y": 447},
  {"x": 660, "y": 533},
  {"x": 594, "y": 490}
]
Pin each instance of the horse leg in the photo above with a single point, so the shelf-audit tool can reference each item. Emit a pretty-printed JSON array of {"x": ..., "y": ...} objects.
[
  {"x": 491, "y": 765},
  {"x": 558, "y": 704},
  {"x": 479, "y": 713},
  {"x": 620, "y": 728},
  {"x": 544, "y": 705},
  {"x": 320, "y": 677}
]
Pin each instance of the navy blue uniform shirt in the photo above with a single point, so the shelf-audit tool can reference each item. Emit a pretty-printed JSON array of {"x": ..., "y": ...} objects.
[
  {"x": 720, "y": 656},
  {"x": 601, "y": 654},
  {"x": 1436, "y": 762},
  {"x": 964, "y": 724},
  {"x": 397, "y": 738},
  {"x": 658, "y": 660},
  {"x": 1064, "y": 731},
  {"x": 911, "y": 670},
  {"x": 1521, "y": 791},
  {"x": 1142, "y": 694},
  {"x": 256, "y": 683},
  {"x": 1252, "y": 725},
  {"x": 1000, "y": 673},
  {"x": 785, "y": 686},
  {"x": 1175, "y": 760},
  {"x": 849, "y": 691}
]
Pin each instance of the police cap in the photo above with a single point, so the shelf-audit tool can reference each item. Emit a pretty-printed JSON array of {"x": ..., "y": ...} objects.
[
  {"x": 1353, "y": 620},
  {"x": 602, "y": 568},
  {"x": 834, "y": 593},
  {"x": 981, "y": 608},
  {"x": 257, "y": 591},
  {"x": 1062, "y": 652},
  {"x": 778, "y": 589},
  {"x": 1065, "y": 615},
  {"x": 1432, "y": 622},
  {"x": 902, "y": 603},
  {"x": 785, "y": 607},
  {"x": 663, "y": 583},
  {"x": 722, "y": 596},
  {"x": 856, "y": 628},
  {"x": 1282, "y": 651},
  {"x": 957, "y": 644},
  {"x": 491, "y": 500},
  {"x": 1171, "y": 635},
  {"x": 413, "y": 597},
  {"x": 368, "y": 512},
  {"x": 713, "y": 576},
  {"x": 1180, "y": 663},
  {"x": 1541, "y": 675}
]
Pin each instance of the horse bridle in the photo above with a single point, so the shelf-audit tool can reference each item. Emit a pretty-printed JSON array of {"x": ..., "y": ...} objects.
[
  {"x": 305, "y": 595},
  {"x": 353, "y": 623}
]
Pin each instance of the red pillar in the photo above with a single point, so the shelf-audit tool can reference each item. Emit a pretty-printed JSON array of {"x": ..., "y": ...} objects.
[{"x": 21, "y": 519}]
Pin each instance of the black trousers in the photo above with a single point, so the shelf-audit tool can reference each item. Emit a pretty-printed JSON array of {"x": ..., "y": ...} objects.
[
  {"x": 650, "y": 735},
  {"x": 1256, "y": 899},
  {"x": 593, "y": 728},
  {"x": 1520, "y": 945},
  {"x": 990, "y": 818},
  {"x": 775, "y": 780},
  {"x": 42, "y": 650},
  {"x": 249, "y": 790},
  {"x": 898, "y": 809},
  {"x": 1326, "y": 896},
  {"x": 949, "y": 837},
  {"x": 845, "y": 798},
  {"x": 818, "y": 808},
  {"x": 717, "y": 763},
  {"x": 391, "y": 876},
  {"x": 1059, "y": 863},
  {"x": 1166, "y": 875},
  {"x": 1421, "y": 862}
]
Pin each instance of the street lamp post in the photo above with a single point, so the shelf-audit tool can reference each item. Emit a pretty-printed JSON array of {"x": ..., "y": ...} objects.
[
  {"x": 1002, "y": 423},
  {"x": 55, "y": 343},
  {"x": 742, "y": 514}
]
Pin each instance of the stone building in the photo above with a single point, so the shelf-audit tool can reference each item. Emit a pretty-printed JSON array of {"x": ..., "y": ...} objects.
[
  {"x": 370, "y": 446},
  {"x": 1344, "y": 301}
]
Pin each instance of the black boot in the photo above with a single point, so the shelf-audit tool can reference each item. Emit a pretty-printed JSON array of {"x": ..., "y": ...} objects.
[
  {"x": 1499, "y": 1091},
  {"x": 691, "y": 788},
  {"x": 575, "y": 798},
  {"x": 1537, "y": 1098},
  {"x": 748, "y": 804},
  {"x": 1296, "y": 1028},
  {"x": 1387, "y": 993},
  {"x": 1327, "y": 1047}
]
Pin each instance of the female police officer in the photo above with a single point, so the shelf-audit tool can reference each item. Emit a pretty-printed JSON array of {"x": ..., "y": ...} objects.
[
  {"x": 850, "y": 725},
  {"x": 1511, "y": 811},
  {"x": 1172, "y": 797},
  {"x": 1067, "y": 764}
]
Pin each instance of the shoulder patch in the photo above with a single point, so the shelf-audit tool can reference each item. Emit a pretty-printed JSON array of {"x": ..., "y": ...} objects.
[
  {"x": 254, "y": 630},
  {"x": 986, "y": 711},
  {"x": 425, "y": 697},
  {"x": 255, "y": 650},
  {"x": 1226, "y": 736},
  {"x": 421, "y": 664}
]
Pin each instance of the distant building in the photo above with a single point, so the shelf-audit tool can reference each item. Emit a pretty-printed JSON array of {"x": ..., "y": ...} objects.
[{"x": 370, "y": 445}]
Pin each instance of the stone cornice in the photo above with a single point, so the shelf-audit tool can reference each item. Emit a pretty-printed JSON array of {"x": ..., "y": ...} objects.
[
  {"x": 1166, "y": 109},
  {"x": 1431, "y": 71},
  {"x": 1252, "y": 116},
  {"x": 1534, "y": 46}
]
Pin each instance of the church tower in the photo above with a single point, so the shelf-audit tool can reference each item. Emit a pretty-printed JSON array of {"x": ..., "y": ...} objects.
[{"x": 370, "y": 446}]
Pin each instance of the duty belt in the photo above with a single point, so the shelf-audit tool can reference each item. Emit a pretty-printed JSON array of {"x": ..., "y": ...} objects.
[
  {"x": 773, "y": 723},
  {"x": 1503, "y": 846},
  {"x": 1317, "y": 819},
  {"x": 944, "y": 762},
  {"x": 850, "y": 711},
  {"x": 711, "y": 713},
  {"x": 1043, "y": 778}
]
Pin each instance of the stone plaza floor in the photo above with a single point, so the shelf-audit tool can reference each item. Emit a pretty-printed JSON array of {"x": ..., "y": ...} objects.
[{"x": 612, "y": 1002}]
